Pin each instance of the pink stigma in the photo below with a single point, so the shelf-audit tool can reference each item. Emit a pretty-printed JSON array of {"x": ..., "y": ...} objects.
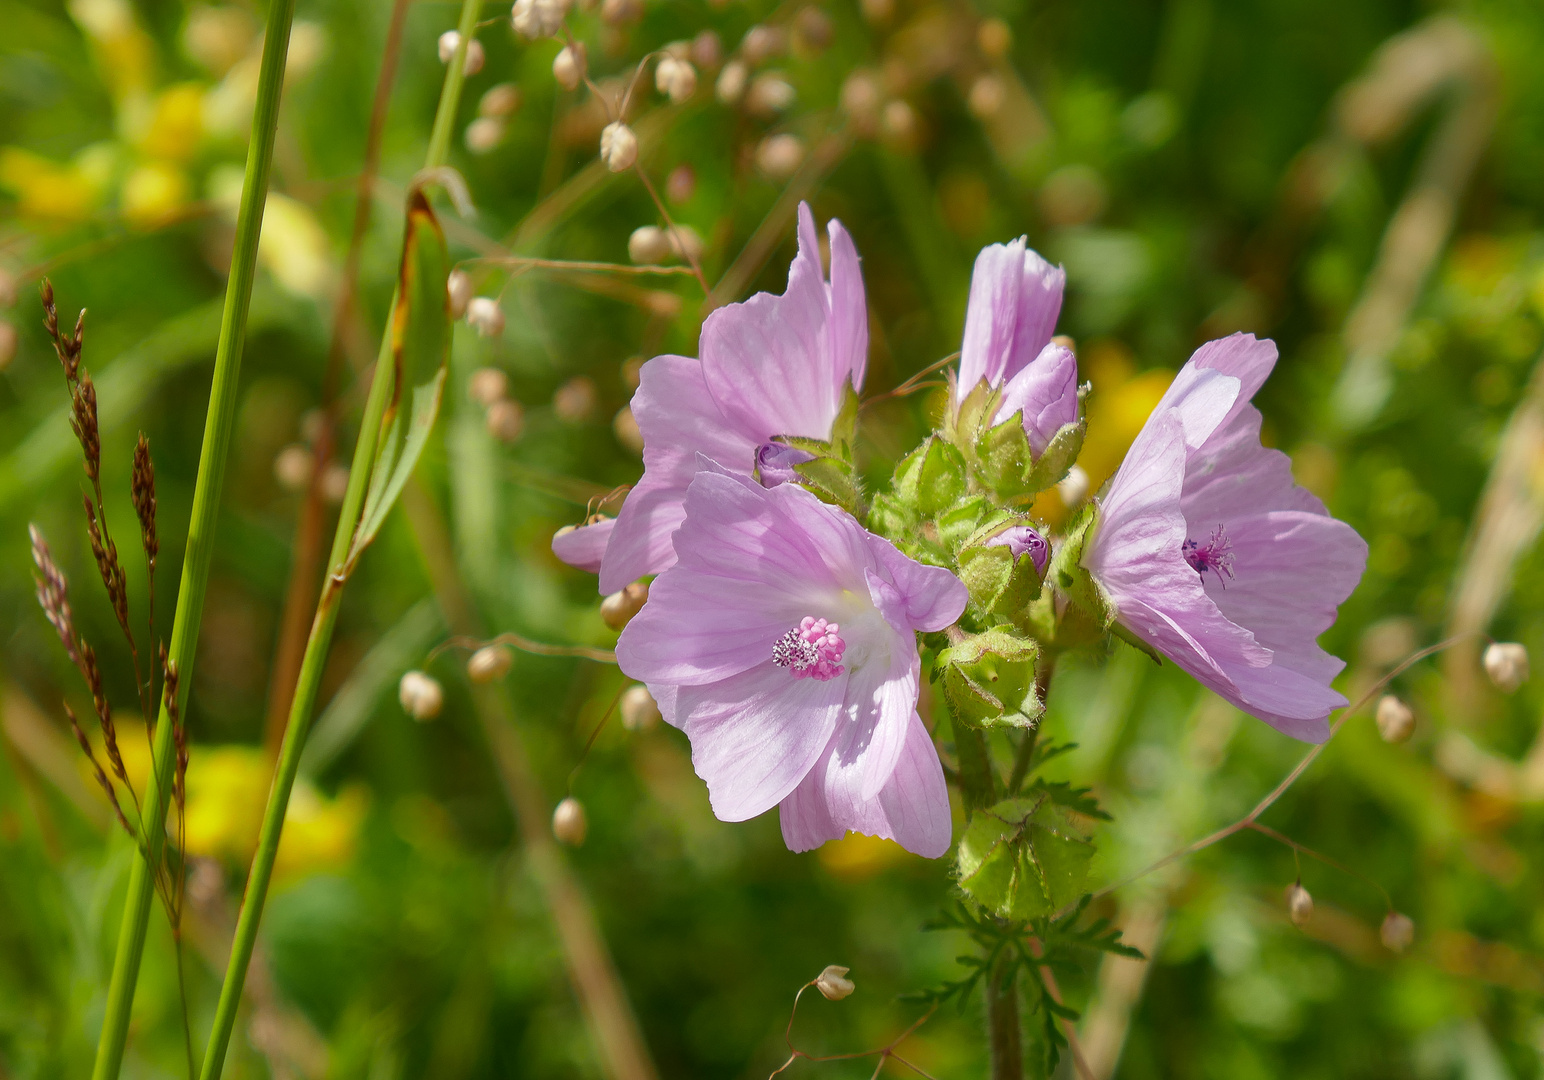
[
  {"x": 1215, "y": 555},
  {"x": 811, "y": 651}
]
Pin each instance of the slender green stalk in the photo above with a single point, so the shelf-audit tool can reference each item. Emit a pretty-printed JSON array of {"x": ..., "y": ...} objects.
[
  {"x": 195, "y": 566},
  {"x": 317, "y": 645}
]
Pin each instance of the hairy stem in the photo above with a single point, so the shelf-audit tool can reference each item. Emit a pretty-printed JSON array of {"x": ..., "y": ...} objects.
[
  {"x": 309, "y": 682},
  {"x": 218, "y": 425},
  {"x": 1004, "y": 1037}
]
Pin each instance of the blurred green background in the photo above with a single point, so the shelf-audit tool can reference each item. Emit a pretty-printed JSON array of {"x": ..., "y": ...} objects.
[{"x": 1361, "y": 180}]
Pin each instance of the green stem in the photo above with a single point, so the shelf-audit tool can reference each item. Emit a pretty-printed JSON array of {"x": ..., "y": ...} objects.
[
  {"x": 309, "y": 681},
  {"x": 218, "y": 424},
  {"x": 1004, "y": 1032}
]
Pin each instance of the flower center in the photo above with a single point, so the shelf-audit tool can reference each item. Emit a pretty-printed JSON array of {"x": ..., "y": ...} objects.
[
  {"x": 811, "y": 650},
  {"x": 1216, "y": 555}
]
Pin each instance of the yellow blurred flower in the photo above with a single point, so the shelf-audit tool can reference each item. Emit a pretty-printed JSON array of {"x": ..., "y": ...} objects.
[
  {"x": 152, "y": 193},
  {"x": 46, "y": 189},
  {"x": 293, "y": 246},
  {"x": 176, "y": 123},
  {"x": 123, "y": 51},
  {"x": 857, "y": 856}
]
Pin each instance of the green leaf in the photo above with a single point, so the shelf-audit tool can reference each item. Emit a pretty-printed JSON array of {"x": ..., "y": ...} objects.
[
  {"x": 1024, "y": 858},
  {"x": 420, "y": 343}
]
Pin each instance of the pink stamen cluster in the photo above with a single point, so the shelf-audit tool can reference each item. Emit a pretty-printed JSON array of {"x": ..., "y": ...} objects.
[
  {"x": 811, "y": 651},
  {"x": 1215, "y": 555}
]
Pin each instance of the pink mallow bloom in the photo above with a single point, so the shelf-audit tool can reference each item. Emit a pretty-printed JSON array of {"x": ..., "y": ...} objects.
[
  {"x": 1210, "y": 554},
  {"x": 773, "y": 365},
  {"x": 1015, "y": 296},
  {"x": 783, "y": 643}
]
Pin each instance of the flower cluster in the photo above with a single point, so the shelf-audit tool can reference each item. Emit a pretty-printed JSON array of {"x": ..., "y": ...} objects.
[{"x": 782, "y": 627}]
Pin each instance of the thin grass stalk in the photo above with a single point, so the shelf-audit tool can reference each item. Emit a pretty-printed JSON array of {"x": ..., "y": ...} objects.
[
  {"x": 218, "y": 425},
  {"x": 309, "y": 682}
]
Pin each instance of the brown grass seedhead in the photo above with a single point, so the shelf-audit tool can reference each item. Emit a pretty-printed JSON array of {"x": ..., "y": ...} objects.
[
  {"x": 142, "y": 486},
  {"x": 53, "y": 593},
  {"x": 98, "y": 771}
]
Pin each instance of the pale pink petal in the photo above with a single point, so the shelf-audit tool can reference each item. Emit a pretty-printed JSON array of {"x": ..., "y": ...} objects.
[
  {"x": 927, "y": 598},
  {"x": 584, "y": 547},
  {"x": 1015, "y": 297},
  {"x": 756, "y": 735},
  {"x": 849, "y": 312},
  {"x": 1046, "y": 392}
]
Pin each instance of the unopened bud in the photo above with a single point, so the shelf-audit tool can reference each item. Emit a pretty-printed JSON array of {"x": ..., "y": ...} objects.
[
  {"x": 681, "y": 184},
  {"x": 484, "y": 134},
  {"x": 707, "y": 50},
  {"x": 489, "y": 663},
  {"x": 538, "y": 18},
  {"x": 458, "y": 287},
  {"x": 421, "y": 695},
  {"x": 833, "y": 983},
  {"x": 1396, "y": 723},
  {"x": 484, "y": 315},
  {"x": 675, "y": 78},
  {"x": 625, "y": 425},
  {"x": 769, "y": 95},
  {"x": 617, "y": 610},
  {"x": 8, "y": 342},
  {"x": 568, "y": 822},
  {"x": 505, "y": 420},
  {"x": 986, "y": 96},
  {"x": 648, "y": 245},
  {"x": 638, "y": 708},
  {"x": 569, "y": 66},
  {"x": 779, "y": 156},
  {"x": 500, "y": 101},
  {"x": 618, "y": 146},
  {"x": 1299, "y": 905},
  {"x": 1506, "y": 662},
  {"x": 1397, "y": 932},
  {"x": 292, "y": 467},
  {"x": 1073, "y": 488},
  {"x": 450, "y": 40},
  {"x": 487, "y": 385},
  {"x": 731, "y": 82},
  {"x": 574, "y": 400}
]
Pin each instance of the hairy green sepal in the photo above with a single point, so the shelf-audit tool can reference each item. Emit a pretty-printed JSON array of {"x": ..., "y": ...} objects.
[{"x": 1024, "y": 858}]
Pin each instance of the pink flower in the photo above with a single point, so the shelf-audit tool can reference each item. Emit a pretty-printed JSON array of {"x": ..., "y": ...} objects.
[
  {"x": 1210, "y": 553},
  {"x": 773, "y": 365},
  {"x": 782, "y": 641},
  {"x": 1015, "y": 296}
]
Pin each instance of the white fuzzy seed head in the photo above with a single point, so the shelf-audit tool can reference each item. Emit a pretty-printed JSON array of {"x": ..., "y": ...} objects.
[
  {"x": 618, "y": 146},
  {"x": 484, "y": 315},
  {"x": 1396, "y": 722},
  {"x": 833, "y": 983},
  {"x": 569, "y": 65},
  {"x": 618, "y": 609},
  {"x": 421, "y": 696},
  {"x": 458, "y": 291},
  {"x": 506, "y": 420},
  {"x": 538, "y": 18},
  {"x": 1506, "y": 662},
  {"x": 675, "y": 78},
  {"x": 569, "y": 824},
  {"x": 1299, "y": 905},
  {"x": 638, "y": 708},
  {"x": 489, "y": 663},
  {"x": 487, "y": 385},
  {"x": 1397, "y": 932}
]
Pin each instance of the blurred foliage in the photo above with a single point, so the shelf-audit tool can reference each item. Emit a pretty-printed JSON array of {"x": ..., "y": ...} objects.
[{"x": 1189, "y": 163}]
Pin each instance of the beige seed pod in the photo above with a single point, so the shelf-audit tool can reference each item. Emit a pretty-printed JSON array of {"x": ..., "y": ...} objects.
[
  {"x": 1396, "y": 722},
  {"x": 538, "y": 18},
  {"x": 994, "y": 38},
  {"x": 489, "y": 663},
  {"x": 833, "y": 983},
  {"x": 292, "y": 467},
  {"x": 459, "y": 290},
  {"x": 1299, "y": 905},
  {"x": 334, "y": 482},
  {"x": 506, "y": 419},
  {"x": 763, "y": 42},
  {"x": 484, "y": 315},
  {"x": 421, "y": 695},
  {"x": 681, "y": 184},
  {"x": 574, "y": 401},
  {"x": 475, "y": 56},
  {"x": 1506, "y": 662},
  {"x": 730, "y": 87},
  {"x": 779, "y": 156},
  {"x": 500, "y": 101},
  {"x": 569, "y": 66},
  {"x": 898, "y": 122},
  {"x": 648, "y": 245},
  {"x": 618, "y": 146},
  {"x": 675, "y": 78},
  {"x": 639, "y": 710},
  {"x": 569, "y": 824},
  {"x": 484, "y": 134},
  {"x": 987, "y": 94},
  {"x": 769, "y": 94},
  {"x": 617, "y": 610},
  {"x": 1397, "y": 932},
  {"x": 487, "y": 385},
  {"x": 707, "y": 50}
]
